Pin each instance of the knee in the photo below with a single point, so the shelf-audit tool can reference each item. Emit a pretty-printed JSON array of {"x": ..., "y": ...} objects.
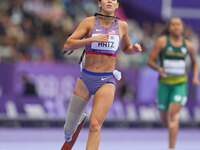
[
  {"x": 173, "y": 113},
  {"x": 172, "y": 119},
  {"x": 95, "y": 125}
]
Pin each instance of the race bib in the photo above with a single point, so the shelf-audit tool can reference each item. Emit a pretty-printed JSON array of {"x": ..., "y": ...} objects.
[
  {"x": 111, "y": 45},
  {"x": 174, "y": 67}
]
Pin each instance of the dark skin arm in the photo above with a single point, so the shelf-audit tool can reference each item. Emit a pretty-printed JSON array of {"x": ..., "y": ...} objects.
[
  {"x": 159, "y": 45},
  {"x": 191, "y": 52}
]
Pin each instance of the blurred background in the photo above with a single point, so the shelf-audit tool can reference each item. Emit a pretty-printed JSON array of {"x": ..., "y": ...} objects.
[{"x": 36, "y": 80}]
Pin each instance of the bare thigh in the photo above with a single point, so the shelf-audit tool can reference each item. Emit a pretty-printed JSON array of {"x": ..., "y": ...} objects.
[
  {"x": 174, "y": 108},
  {"x": 81, "y": 90},
  {"x": 103, "y": 100}
]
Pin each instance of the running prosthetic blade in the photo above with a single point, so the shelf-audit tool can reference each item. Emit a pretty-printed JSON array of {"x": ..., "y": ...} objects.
[{"x": 69, "y": 145}]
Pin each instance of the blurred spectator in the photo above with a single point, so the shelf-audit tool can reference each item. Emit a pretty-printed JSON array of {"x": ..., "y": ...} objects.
[
  {"x": 29, "y": 87},
  {"x": 36, "y": 30},
  {"x": 157, "y": 29},
  {"x": 193, "y": 37},
  {"x": 124, "y": 90},
  {"x": 90, "y": 7}
]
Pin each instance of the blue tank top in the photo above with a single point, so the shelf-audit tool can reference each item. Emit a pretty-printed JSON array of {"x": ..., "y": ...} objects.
[{"x": 104, "y": 48}]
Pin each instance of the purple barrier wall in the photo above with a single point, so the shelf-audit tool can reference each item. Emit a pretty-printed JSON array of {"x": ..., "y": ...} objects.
[
  {"x": 135, "y": 94},
  {"x": 6, "y": 78},
  {"x": 153, "y": 10}
]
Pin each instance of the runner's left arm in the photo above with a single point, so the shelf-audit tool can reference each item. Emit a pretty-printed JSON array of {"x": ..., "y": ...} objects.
[
  {"x": 191, "y": 52},
  {"x": 126, "y": 46}
]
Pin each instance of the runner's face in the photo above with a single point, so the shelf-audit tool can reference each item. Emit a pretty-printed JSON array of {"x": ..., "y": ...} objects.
[
  {"x": 108, "y": 6},
  {"x": 176, "y": 27}
]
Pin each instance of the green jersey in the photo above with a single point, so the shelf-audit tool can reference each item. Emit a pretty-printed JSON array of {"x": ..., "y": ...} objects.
[{"x": 172, "y": 59}]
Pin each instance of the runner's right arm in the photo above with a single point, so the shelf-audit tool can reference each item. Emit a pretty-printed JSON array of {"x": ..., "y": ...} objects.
[
  {"x": 75, "y": 41},
  {"x": 159, "y": 45}
]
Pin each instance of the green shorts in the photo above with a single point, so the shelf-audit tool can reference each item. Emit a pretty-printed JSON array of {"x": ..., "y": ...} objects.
[{"x": 171, "y": 93}]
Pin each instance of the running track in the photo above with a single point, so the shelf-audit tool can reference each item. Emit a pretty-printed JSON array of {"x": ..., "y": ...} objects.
[{"x": 111, "y": 139}]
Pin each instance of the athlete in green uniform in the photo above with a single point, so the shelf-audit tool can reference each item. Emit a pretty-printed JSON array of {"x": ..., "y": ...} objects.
[{"x": 172, "y": 48}]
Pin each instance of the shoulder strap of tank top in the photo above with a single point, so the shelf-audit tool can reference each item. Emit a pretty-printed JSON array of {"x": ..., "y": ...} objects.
[
  {"x": 184, "y": 43},
  {"x": 168, "y": 41}
]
